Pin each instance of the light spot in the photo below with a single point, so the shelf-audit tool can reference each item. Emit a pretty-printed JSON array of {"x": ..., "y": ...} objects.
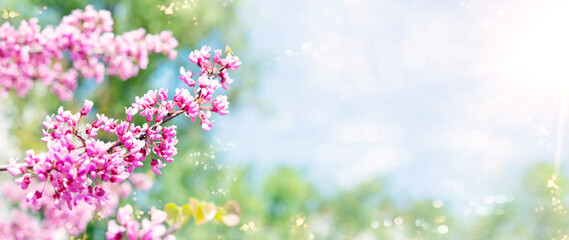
[
  {"x": 440, "y": 219},
  {"x": 374, "y": 224},
  {"x": 427, "y": 226},
  {"x": 437, "y": 203},
  {"x": 419, "y": 222},
  {"x": 306, "y": 47},
  {"x": 388, "y": 222},
  {"x": 442, "y": 229},
  {"x": 398, "y": 221},
  {"x": 299, "y": 221},
  {"x": 481, "y": 211}
]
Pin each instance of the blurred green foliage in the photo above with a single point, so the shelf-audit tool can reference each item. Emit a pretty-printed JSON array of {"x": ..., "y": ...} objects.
[{"x": 284, "y": 205}]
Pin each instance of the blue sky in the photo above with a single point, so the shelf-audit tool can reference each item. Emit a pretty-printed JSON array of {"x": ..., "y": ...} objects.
[{"x": 451, "y": 99}]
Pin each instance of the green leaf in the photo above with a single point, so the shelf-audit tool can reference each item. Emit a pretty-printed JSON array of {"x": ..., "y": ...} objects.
[
  {"x": 173, "y": 213},
  {"x": 185, "y": 214},
  {"x": 177, "y": 216},
  {"x": 205, "y": 212}
]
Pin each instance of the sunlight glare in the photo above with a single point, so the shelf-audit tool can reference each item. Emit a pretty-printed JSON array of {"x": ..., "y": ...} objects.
[{"x": 538, "y": 52}]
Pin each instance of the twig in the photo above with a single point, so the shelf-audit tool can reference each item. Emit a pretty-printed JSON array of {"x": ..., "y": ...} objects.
[
  {"x": 170, "y": 230},
  {"x": 5, "y": 167},
  {"x": 142, "y": 136}
]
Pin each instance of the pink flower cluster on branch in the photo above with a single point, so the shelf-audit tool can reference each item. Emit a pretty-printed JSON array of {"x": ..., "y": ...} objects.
[
  {"x": 74, "y": 222},
  {"x": 129, "y": 227},
  {"x": 29, "y": 53},
  {"x": 77, "y": 164}
]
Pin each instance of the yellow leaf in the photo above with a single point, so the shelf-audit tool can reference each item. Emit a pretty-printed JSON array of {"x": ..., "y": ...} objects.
[
  {"x": 228, "y": 50},
  {"x": 173, "y": 213}
]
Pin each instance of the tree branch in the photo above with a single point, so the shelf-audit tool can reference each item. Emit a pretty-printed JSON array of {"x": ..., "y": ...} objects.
[
  {"x": 5, "y": 167},
  {"x": 143, "y": 136},
  {"x": 170, "y": 230}
]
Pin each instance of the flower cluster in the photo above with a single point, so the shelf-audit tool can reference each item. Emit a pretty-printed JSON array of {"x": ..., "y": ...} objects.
[
  {"x": 75, "y": 221},
  {"x": 22, "y": 227},
  {"x": 206, "y": 85},
  {"x": 29, "y": 53},
  {"x": 129, "y": 226},
  {"x": 77, "y": 164}
]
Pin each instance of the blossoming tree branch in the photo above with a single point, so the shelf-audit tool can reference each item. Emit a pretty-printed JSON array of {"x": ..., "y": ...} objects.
[
  {"x": 83, "y": 43},
  {"x": 80, "y": 176}
]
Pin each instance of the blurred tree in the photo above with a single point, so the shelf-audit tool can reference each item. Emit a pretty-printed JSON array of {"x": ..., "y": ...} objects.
[{"x": 288, "y": 197}]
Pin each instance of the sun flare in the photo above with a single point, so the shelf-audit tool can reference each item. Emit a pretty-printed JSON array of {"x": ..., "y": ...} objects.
[{"x": 537, "y": 51}]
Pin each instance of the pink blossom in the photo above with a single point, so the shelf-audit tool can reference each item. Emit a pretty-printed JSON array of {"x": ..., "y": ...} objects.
[
  {"x": 15, "y": 169},
  {"x": 152, "y": 229},
  {"x": 141, "y": 181},
  {"x": 79, "y": 167},
  {"x": 30, "y": 53},
  {"x": 21, "y": 227},
  {"x": 220, "y": 105},
  {"x": 73, "y": 221},
  {"x": 87, "y": 108}
]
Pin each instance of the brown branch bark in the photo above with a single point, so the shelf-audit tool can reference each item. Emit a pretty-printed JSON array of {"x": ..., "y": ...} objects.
[
  {"x": 5, "y": 167},
  {"x": 143, "y": 136}
]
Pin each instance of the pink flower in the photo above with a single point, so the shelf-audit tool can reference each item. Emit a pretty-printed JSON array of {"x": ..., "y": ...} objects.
[
  {"x": 205, "y": 122},
  {"x": 220, "y": 105},
  {"x": 114, "y": 231},
  {"x": 30, "y": 53},
  {"x": 14, "y": 169},
  {"x": 156, "y": 165},
  {"x": 24, "y": 181},
  {"x": 87, "y": 107},
  {"x": 152, "y": 229},
  {"x": 124, "y": 215},
  {"x": 141, "y": 181},
  {"x": 186, "y": 77},
  {"x": 22, "y": 226},
  {"x": 78, "y": 167}
]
